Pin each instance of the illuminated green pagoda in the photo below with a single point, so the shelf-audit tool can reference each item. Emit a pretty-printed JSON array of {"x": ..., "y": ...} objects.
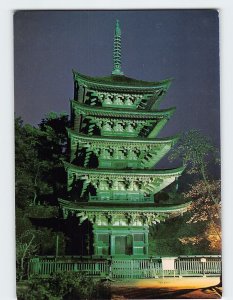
[{"x": 113, "y": 151}]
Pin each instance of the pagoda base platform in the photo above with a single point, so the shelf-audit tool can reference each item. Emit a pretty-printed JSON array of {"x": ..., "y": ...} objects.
[{"x": 119, "y": 230}]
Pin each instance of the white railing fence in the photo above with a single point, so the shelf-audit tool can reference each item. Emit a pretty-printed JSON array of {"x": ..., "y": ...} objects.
[{"x": 127, "y": 268}]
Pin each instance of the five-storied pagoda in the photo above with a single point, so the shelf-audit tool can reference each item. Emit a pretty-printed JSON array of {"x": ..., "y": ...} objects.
[{"x": 113, "y": 151}]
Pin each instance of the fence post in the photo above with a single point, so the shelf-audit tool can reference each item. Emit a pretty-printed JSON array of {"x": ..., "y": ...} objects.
[
  {"x": 110, "y": 268},
  {"x": 203, "y": 261},
  {"x": 179, "y": 268},
  {"x": 57, "y": 244}
]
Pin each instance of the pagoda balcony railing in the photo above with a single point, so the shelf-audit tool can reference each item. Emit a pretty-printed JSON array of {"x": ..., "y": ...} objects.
[{"x": 153, "y": 267}]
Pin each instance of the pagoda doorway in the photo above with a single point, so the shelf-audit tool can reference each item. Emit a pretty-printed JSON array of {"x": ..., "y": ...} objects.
[{"x": 122, "y": 245}]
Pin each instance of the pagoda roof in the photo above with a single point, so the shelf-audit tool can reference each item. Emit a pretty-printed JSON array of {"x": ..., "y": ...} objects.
[
  {"x": 129, "y": 140},
  {"x": 119, "y": 82},
  {"x": 124, "y": 173},
  {"x": 132, "y": 207},
  {"x": 118, "y": 112}
]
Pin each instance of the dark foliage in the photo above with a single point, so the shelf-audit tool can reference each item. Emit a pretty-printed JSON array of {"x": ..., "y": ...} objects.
[
  {"x": 65, "y": 285},
  {"x": 39, "y": 180}
]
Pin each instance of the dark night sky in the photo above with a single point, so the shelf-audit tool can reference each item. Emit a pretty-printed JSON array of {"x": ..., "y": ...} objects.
[{"x": 182, "y": 44}]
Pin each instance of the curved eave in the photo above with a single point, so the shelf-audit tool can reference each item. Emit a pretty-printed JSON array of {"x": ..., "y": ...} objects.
[
  {"x": 109, "y": 172},
  {"x": 117, "y": 112},
  {"x": 92, "y": 139},
  {"x": 125, "y": 83},
  {"x": 84, "y": 206}
]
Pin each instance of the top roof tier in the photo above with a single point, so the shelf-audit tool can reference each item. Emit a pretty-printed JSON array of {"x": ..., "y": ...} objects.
[
  {"x": 121, "y": 82},
  {"x": 117, "y": 83}
]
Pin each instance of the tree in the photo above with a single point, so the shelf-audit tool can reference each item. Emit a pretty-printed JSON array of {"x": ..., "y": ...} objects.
[
  {"x": 25, "y": 249},
  {"x": 38, "y": 158},
  {"x": 29, "y": 183},
  {"x": 39, "y": 152},
  {"x": 197, "y": 153},
  {"x": 52, "y": 149},
  {"x": 31, "y": 241},
  {"x": 204, "y": 210}
]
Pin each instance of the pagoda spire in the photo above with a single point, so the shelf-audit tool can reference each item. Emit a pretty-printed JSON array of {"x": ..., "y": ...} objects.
[{"x": 117, "y": 51}]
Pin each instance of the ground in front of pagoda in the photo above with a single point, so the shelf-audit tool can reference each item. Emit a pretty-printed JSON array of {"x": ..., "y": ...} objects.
[{"x": 167, "y": 288}]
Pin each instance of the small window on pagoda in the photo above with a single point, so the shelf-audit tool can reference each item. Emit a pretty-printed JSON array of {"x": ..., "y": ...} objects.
[
  {"x": 139, "y": 237},
  {"x": 103, "y": 238}
]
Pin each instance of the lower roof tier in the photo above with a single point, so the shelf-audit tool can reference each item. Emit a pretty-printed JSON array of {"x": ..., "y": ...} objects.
[
  {"x": 118, "y": 122},
  {"x": 121, "y": 215},
  {"x": 147, "y": 182},
  {"x": 123, "y": 173},
  {"x": 92, "y": 110},
  {"x": 119, "y": 152},
  {"x": 138, "y": 141}
]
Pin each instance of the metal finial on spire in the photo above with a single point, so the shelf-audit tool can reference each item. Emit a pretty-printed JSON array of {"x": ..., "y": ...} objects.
[{"x": 117, "y": 51}]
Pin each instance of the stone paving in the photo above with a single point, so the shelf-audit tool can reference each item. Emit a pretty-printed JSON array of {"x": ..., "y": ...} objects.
[{"x": 167, "y": 288}]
